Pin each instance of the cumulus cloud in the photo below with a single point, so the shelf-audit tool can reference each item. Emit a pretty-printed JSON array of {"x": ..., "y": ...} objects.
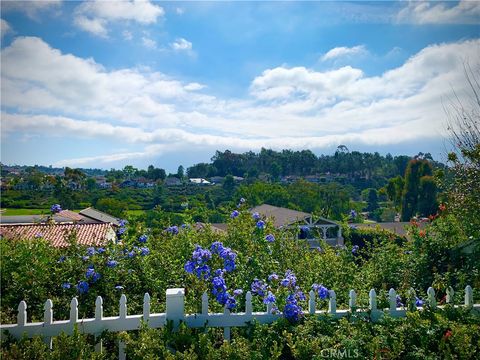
[
  {"x": 344, "y": 51},
  {"x": 4, "y": 28},
  {"x": 49, "y": 92},
  {"x": 31, "y": 8},
  {"x": 149, "y": 43},
  {"x": 94, "y": 16},
  {"x": 181, "y": 44},
  {"x": 427, "y": 12}
]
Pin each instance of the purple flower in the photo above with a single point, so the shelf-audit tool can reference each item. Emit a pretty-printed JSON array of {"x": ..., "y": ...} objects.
[
  {"x": 61, "y": 259},
  {"x": 256, "y": 216},
  {"x": 290, "y": 279},
  {"x": 85, "y": 258},
  {"x": 355, "y": 249},
  {"x": 203, "y": 271},
  {"x": 112, "y": 263},
  {"x": 122, "y": 222},
  {"x": 418, "y": 301},
  {"x": 234, "y": 214},
  {"x": 231, "y": 303},
  {"x": 189, "y": 267},
  {"x": 201, "y": 255},
  {"x": 300, "y": 295},
  {"x": 292, "y": 311},
  {"x": 218, "y": 285},
  {"x": 130, "y": 254},
  {"x": 90, "y": 272},
  {"x": 90, "y": 251},
  {"x": 272, "y": 277},
  {"x": 242, "y": 200},
  {"x": 96, "y": 276},
  {"x": 121, "y": 231},
  {"x": 66, "y": 285},
  {"x": 217, "y": 247},
  {"x": 219, "y": 272},
  {"x": 258, "y": 287},
  {"x": 82, "y": 287},
  {"x": 399, "y": 301},
  {"x": 101, "y": 250},
  {"x": 353, "y": 214},
  {"x": 270, "y": 238},
  {"x": 260, "y": 224},
  {"x": 143, "y": 238},
  {"x": 144, "y": 251},
  {"x": 119, "y": 287},
  {"x": 55, "y": 208},
  {"x": 322, "y": 292},
  {"x": 237, "y": 292},
  {"x": 173, "y": 230},
  {"x": 269, "y": 299}
]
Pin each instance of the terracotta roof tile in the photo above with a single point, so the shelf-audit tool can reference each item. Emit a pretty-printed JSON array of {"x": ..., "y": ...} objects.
[{"x": 56, "y": 234}]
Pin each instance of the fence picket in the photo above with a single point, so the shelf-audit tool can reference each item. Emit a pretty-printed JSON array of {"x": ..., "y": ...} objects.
[
  {"x": 392, "y": 298},
  {"x": 431, "y": 298},
  {"x": 146, "y": 307},
  {"x": 74, "y": 311},
  {"x": 22, "y": 313},
  {"x": 123, "y": 307},
  {"x": 48, "y": 320},
  {"x": 450, "y": 294},
  {"x": 352, "y": 302},
  {"x": 248, "y": 303},
  {"x": 205, "y": 303},
  {"x": 332, "y": 302},
  {"x": 311, "y": 302},
  {"x": 226, "y": 329},
  {"x": 468, "y": 296}
]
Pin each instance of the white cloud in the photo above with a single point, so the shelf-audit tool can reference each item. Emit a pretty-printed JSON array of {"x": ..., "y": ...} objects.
[
  {"x": 344, "y": 51},
  {"x": 48, "y": 93},
  {"x": 31, "y": 8},
  {"x": 179, "y": 11},
  {"x": 4, "y": 28},
  {"x": 149, "y": 43},
  {"x": 127, "y": 35},
  {"x": 94, "y": 16},
  {"x": 181, "y": 44},
  {"x": 427, "y": 12}
]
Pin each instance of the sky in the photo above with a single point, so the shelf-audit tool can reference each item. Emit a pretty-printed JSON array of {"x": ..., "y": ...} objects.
[{"x": 105, "y": 84}]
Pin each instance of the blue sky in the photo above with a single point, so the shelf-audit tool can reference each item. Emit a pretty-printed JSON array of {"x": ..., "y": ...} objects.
[{"x": 106, "y": 84}]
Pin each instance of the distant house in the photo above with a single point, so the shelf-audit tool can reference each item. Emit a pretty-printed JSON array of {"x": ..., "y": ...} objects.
[
  {"x": 172, "y": 181},
  {"x": 99, "y": 216},
  {"x": 217, "y": 179},
  {"x": 398, "y": 228},
  {"x": 58, "y": 234},
  {"x": 310, "y": 228},
  {"x": 144, "y": 183},
  {"x": 199, "y": 181}
]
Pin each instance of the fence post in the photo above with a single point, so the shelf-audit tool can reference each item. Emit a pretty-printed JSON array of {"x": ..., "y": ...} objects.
[
  {"x": 468, "y": 296},
  {"x": 74, "y": 311},
  {"x": 122, "y": 312},
  {"x": 175, "y": 306},
  {"x": 47, "y": 320},
  {"x": 248, "y": 304},
  {"x": 311, "y": 302},
  {"x": 98, "y": 317}
]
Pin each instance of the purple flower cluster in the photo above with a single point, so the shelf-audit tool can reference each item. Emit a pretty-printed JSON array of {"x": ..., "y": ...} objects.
[
  {"x": 353, "y": 214},
  {"x": 234, "y": 214},
  {"x": 269, "y": 299},
  {"x": 321, "y": 290},
  {"x": 290, "y": 280},
  {"x": 272, "y": 277},
  {"x": 82, "y": 287},
  {"x": 55, "y": 208},
  {"x": 172, "y": 230},
  {"x": 258, "y": 287},
  {"x": 198, "y": 264},
  {"x": 399, "y": 301},
  {"x": 227, "y": 254},
  {"x": 112, "y": 263},
  {"x": 92, "y": 274},
  {"x": 144, "y": 251},
  {"x": 122, "y": 228},
  {"x": 256, "y": 216},
  {"x": 270, "y": 238},
  {"x": 292, "y": 311},
  {"x": 355, "y": 249},
  {"x": 418, "y": 301},
  {"x": 91, "y": 251},
  {"x": 66, "y": 285},
  {"x": 143, "y": 238},
  {"x": 260, "y": 224}
]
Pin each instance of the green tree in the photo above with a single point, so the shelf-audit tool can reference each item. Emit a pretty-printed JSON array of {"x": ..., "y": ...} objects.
[
  {"x": 112, "y": 206},
  {"x": 372, "y": 200}
]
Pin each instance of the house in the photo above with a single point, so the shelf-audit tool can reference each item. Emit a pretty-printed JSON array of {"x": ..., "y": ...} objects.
[
  {"x": 199, "y": 181},
  {"x": 98, "y": 216},
  {"x": 58, "y": 234},
  {"x": 310, "y": 228},
  {"x": 172, "y": 181}
]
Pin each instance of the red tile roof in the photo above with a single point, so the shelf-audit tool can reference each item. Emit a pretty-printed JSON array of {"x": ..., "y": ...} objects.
[
  {"x": 56, "y": 234},
  {"x": 71, "y": 215}
]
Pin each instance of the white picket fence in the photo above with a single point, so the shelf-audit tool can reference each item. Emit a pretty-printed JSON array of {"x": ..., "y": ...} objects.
[{"x": 175, "y": 306}]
